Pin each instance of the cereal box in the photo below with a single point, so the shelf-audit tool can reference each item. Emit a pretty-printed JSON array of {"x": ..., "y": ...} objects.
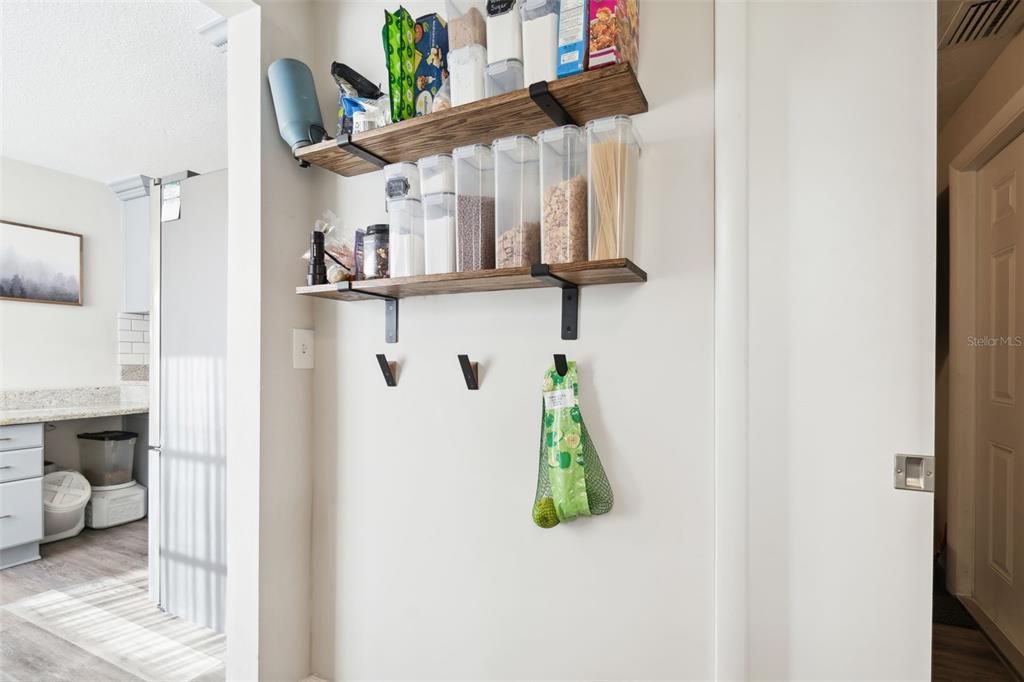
[
  {"x": 572, "y": 38},
  {"x": 431, "y": 34},
  {"x": 614, "y": 32}
]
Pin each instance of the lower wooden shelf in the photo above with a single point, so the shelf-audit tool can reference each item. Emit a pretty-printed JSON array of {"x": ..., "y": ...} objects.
[
  {"x": 565, "y": 276},
  {"x": 615, "y": 271}
]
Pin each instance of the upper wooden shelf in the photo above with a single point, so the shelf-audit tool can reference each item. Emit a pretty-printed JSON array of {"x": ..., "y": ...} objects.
[
  {"x": 615, "y": 271},
  {"x": 593, "y": 94}
]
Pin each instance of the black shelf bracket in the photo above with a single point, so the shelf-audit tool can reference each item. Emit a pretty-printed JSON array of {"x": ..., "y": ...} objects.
[
  {"x": 469, "y": 372},
  {"x": 345, "y": 142},
  {"x": 390, "y": 309},
  {"x": 541, "y": 96},
  {"x": 570, "y": 299}
]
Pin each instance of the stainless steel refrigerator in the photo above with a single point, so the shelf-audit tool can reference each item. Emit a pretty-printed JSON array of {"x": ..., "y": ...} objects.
[{"x": 187, "y": 457}]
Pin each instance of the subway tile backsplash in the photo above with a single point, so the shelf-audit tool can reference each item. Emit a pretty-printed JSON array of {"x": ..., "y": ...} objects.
[{"x": 133, "y": 346}]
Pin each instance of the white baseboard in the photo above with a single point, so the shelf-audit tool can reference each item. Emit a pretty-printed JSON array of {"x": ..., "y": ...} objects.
[{"x": 314, "y": 678}]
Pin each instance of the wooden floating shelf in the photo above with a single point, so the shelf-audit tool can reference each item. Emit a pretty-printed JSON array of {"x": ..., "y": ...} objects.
[
  {"x": 565, "y": 276},
  {"x": 615, "y": 271},
  {"x": 593, "y": 94}
]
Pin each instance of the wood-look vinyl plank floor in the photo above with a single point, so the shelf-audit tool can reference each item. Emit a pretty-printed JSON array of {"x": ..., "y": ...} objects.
[
  {"x": 102, "y": 575},
  {"x": 964, "y": 655},
  {"x": 88, "y": 556}
]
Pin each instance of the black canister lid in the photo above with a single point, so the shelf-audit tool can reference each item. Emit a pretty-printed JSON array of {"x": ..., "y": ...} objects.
[
  {"x": 380, "y": 228},
  {"x": 108, "y": 435}
]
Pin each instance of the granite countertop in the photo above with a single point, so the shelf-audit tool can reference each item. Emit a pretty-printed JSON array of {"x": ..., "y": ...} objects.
[{"x": 30, "y": 407}]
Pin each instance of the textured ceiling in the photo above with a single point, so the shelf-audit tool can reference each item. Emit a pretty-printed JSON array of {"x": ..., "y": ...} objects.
[
  {"x": 961, "y": 68},
  {"x": 111, "y": 89}
]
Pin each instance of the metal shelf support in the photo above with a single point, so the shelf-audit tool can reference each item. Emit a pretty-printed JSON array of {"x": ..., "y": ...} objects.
[
  {"x": 549, "y": 105},
  {"x": 570, "y": 299}
]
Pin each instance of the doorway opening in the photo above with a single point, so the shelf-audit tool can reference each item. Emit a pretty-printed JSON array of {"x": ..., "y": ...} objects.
[
  {"x": 112, "y": 409},
  {"x": 978, "y": 618}
]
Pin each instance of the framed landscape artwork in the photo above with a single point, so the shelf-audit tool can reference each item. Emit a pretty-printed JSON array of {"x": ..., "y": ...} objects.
[{"x": 39, "y": 264}]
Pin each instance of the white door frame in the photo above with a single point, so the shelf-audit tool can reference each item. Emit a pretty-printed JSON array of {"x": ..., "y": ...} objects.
[
  {"x": 731, "y": 341},
  {"x": 1004, "y": 126}
]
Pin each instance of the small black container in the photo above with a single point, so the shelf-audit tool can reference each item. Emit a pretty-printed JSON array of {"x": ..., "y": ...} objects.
[{"x": 375, "y": 252}]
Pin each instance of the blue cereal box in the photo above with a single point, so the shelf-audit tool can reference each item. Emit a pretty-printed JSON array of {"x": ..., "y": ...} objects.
[
  {"x": 431, "y": 65},
  {"x": 573, "y": 22}
]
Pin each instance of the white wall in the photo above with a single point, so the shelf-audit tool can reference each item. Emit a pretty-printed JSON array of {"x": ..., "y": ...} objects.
[
  {"x": 60, "y": 346},
  {"x": 285, "y": 393},
  {"x": 841, "y": 107},
  {"x": 269, "y": 403},
  {"x": 242, "y": 600},
  {"x": 426, "y": 564}
]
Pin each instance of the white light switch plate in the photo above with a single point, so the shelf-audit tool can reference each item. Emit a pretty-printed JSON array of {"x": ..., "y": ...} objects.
[{"x": 302, "y": 348}]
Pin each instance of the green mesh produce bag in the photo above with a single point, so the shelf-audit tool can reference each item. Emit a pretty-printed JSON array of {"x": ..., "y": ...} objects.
[{"x": 570, "y": 479}]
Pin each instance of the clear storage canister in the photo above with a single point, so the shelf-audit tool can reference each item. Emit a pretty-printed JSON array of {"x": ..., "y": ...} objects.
[
  {"x": 474, "y": 207},
  {"x": 401, "y": 181},
  {"x": 439, "y": 232},
  {"x": 563, "y": 181},
  {"x": 504, "y": 76},
  {"x": 613, "y": 150},
  {"x": 469, "y": 28},
  {"x": 436, "y": 174},
  {"x": 406, "y": 256},
  {"x": 375, "y": 252},
  {"x": 504, "y": 31},
  {"x": 516, "y": 202},
  {"x": 466, "y": 71},
  {"x": 540, "y": 40}
]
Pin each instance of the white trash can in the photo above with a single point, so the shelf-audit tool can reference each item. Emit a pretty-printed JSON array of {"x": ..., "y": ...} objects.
[{"x": 65, "y": 494}]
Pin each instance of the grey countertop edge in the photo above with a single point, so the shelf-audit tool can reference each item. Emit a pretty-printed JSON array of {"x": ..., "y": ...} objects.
[{"x": 53, "y": 414}]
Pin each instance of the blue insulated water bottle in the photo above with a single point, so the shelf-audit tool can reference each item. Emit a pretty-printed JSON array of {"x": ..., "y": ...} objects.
[{"x": 295, "y": 103}]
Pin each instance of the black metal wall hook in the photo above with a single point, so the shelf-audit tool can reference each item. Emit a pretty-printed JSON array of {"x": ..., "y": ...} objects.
[
  {"x": 388, "y": 369},
  {"x": 470, "y": 371},
  {"x": 561, "y": 366}
]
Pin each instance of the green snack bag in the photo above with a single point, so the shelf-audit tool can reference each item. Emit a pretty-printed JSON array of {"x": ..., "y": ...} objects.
[
  {"x": 570, "y": 479},
  {"x": 392, "y": 36},
  {"x": 399, "y": 53}
]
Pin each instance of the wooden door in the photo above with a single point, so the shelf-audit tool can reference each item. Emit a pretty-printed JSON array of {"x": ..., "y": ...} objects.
[{"x": 999, "y": 445}]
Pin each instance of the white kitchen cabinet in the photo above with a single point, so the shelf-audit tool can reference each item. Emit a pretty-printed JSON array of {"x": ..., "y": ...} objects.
[
  {"x": 135, "y": 263},
  {"x": 136, "y": 216},
  {"x": 21, "y": 493}
]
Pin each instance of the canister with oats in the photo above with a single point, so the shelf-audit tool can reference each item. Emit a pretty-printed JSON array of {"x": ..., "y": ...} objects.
[
  {"x": 563, "y": 182},
  {"x": 517, "y": 202}
]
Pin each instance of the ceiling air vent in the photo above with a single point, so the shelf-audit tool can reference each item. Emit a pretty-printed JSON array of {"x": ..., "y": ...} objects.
[{"x": 977, "y": 21}]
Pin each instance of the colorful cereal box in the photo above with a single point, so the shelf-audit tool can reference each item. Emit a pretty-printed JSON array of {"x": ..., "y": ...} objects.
[
  {"x": 431, "y": 36},
  {"x": 572, "y": 37},
  {"x": 614, "y": 32}
]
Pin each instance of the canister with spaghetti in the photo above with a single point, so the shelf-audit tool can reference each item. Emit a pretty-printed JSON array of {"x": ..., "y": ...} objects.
[{"x": 613, "y": 151}]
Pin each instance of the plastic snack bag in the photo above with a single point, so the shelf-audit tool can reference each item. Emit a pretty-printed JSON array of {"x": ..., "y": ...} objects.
[
  {"x": 570, "y": 479},
  {"x": 399, "y": 53},
  {"x": 339, "y": 244}
]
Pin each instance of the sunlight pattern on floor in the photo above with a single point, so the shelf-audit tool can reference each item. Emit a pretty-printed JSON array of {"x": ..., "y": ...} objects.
[{"x": 113, "y": 619}]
